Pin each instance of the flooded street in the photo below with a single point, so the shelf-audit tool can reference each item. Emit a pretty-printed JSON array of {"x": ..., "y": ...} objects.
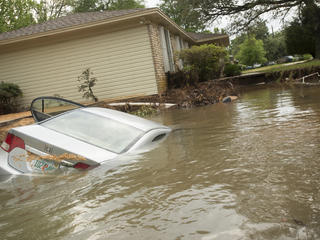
[{"x": 245, "y": 170}]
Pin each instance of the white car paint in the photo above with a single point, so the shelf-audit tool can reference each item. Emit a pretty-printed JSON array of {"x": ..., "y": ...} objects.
[{"x": 42, "y": 141}]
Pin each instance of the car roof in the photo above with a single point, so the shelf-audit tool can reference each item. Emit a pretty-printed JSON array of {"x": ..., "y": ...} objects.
[{"x": 129, "y": 119}]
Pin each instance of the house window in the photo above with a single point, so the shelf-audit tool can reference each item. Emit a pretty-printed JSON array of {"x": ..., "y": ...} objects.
[{"x": 166, "y": 50}]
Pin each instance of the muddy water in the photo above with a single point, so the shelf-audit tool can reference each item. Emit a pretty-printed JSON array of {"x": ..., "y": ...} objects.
[{"x": 246, "y": 170}]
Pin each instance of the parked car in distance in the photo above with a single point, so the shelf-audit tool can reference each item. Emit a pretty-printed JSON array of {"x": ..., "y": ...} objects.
[
  {"x": 69, "y": 135},
  {"x": 286, "y": 59}
]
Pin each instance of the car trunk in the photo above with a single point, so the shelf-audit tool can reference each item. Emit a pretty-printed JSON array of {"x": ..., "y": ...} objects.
[{"x": 47, "y": 150}]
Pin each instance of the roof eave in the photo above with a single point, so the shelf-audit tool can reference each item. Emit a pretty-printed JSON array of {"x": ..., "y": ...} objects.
[{"x": 213, "y": 38}]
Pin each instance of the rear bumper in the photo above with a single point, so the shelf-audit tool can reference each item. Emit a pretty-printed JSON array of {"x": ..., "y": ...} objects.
[{"x": 5, "y": 168}]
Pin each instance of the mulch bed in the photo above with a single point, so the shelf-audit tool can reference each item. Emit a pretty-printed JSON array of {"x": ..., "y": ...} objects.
[{"x": 203, "y": 93}]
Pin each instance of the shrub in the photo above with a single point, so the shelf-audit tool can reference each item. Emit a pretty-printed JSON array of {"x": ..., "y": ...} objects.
[
  {"x": 87, "y": 82},
  {"x": 307, "y": 56},
  {"x": 202, "y": 63},
  {"x": 9, "y": 92},
  {"x": 144, "y": 111},
  {"x": 232, "y": 70},
  {"x": 182, "y": 79}
]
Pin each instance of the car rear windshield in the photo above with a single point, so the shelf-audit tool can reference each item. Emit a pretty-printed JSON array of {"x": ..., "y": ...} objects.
[{"x": 96, "y": 130}]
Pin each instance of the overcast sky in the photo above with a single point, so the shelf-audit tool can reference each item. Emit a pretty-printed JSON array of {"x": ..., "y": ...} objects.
[{"x": 151, "y": 3}]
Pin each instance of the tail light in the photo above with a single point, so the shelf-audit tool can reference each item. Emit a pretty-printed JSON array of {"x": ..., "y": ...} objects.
[
  {"x": 12, "y": 142},
  {"x": 81, "y": 165}
]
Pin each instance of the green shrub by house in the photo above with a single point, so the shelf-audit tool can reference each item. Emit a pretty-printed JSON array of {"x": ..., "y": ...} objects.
[
  {"x": 202, "y": 63},
  {"x": 232, "y": 70},
  {"x": 9, "y": 92}
]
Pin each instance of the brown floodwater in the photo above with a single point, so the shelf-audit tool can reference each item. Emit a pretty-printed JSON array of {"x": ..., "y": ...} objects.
[{"x": 245, "y": 170}]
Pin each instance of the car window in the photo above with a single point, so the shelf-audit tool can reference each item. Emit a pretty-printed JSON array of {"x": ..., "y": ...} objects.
[
  {"x": 94, "y": 129},
  {"x": 45, "y": 107}
]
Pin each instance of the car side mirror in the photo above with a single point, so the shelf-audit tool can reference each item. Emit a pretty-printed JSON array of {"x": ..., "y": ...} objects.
[{"x": 43, "y": 108}]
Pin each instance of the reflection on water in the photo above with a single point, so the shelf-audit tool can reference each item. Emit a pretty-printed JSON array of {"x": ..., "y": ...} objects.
[{"x": 246, "y": 170}]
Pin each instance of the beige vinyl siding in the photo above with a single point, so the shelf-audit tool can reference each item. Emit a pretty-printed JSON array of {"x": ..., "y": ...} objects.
[{"x": 121, "y": 61}]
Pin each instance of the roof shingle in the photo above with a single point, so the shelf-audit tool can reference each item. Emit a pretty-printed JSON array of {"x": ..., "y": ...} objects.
[
  {"x": 67, "y": 21},
  {"x": 78, "y": 19}
]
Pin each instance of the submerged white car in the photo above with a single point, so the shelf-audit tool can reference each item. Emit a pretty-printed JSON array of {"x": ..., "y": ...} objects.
[{"x": 69, "y": 135}]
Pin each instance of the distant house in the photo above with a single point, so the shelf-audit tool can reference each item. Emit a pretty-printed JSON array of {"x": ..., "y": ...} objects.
[{"x": 129, "y": 52}]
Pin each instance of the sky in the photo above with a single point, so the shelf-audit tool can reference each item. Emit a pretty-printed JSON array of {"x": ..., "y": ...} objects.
[
  {"x": 151, "y": 3},
  {"x": 273, "y": 25}
]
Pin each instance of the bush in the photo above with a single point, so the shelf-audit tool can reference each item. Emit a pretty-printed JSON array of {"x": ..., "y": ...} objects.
[
  {"x": 144, "y": 111},
  {"x": 202, "y": 63},
  {"x": 307, "y": 56},
  {"x": 86, "y": 83},
  {"x": 232, "y": 70},
  {"x": 182, "y": 79},
  {"x": 9, "y": 92}
]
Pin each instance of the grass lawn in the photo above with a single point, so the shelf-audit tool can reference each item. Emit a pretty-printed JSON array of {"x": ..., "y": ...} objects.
[{"x": 284, "y": 67}]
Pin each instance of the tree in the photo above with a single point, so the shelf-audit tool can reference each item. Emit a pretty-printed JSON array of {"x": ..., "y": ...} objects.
[
  {"x": 258, "y": 29},
  {"x": 219, "y": 31},
  {"x": 275, "y": 46},
  {"x": 184, "y": 15},
  {"x": 102, "y": 5},
  {"x": 126, "y": 4},
  {"x": 15, "y": 14},
  {"x": 245, "y": 12},
  {"x": 300, "y": 35},
  {"x": 86, "y": 6},
  {"x": 251, "y": 51},
  {"x": 296, "y": 44},
  {"x": 51, "y": 9}
]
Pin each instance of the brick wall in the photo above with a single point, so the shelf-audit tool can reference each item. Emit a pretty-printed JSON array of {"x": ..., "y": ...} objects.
[{"x": 157, "y": 57}]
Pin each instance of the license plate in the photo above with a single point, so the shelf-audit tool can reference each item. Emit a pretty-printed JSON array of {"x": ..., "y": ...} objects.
[{"x": 43, "y": 165}]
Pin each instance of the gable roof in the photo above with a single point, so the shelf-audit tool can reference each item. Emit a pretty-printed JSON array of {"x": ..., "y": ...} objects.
[{"x": 89, "y": 19}]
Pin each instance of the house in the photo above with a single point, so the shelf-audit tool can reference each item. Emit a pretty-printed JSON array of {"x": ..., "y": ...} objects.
[{"x": 128, "y": 51}]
